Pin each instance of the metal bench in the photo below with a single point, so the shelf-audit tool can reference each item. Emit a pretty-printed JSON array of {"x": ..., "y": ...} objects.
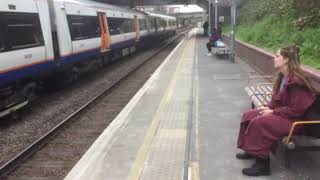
[
  {"x": 221, "y": 51},
  {"x": 260, "y": 94}
]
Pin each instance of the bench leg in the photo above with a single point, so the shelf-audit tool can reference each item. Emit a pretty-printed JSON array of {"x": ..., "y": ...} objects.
[{"x": 286, "y": 156}]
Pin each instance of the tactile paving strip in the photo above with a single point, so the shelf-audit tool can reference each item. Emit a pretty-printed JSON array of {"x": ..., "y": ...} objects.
[
  {"x": 227, "y": 77},
  {"x": 166, "y": 156}
]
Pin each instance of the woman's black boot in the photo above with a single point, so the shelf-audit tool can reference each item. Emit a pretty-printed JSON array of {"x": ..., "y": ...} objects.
[
  {"x": 260, "y": 168},
  {"x": 244, "y": 155}
]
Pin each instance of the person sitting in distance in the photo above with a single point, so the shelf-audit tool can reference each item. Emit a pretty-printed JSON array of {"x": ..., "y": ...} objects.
[
  {"x": 215, "y": 36},
  {"x": 262, "y": 127}
]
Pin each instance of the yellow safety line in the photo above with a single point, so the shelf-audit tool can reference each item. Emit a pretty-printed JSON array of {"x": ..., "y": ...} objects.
[
  {"x": 195, "y": 171},
  {"x": 195, "y": 166},
  {"x": 138, "y": 165},
  {"x": 183, "y": 57}
]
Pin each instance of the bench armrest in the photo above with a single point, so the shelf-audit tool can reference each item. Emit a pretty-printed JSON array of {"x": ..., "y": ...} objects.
[{"x": 296, "y": 124}]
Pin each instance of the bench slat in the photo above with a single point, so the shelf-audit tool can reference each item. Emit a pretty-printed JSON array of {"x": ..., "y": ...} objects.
[
  {"x": 264, "y": 89},
  {"x": 260, "y": 95}
]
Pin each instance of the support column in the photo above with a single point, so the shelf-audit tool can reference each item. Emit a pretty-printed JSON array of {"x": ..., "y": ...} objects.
[
  {"x": 209, "y": 17},
  {"x": 132, "y": 4},
  {"x": 216, "y": 14},
  {"x": 233, "y": 31}
]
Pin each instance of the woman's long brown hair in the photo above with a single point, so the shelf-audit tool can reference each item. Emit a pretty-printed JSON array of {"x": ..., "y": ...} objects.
[{"x": 292, "y": 53}]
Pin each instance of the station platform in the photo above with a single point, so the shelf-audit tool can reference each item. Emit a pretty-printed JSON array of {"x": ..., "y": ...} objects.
[{"x": 182, "y": 124}]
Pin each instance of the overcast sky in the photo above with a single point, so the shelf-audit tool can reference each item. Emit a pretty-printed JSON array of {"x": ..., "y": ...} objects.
[{"x": 187, "y": 9}]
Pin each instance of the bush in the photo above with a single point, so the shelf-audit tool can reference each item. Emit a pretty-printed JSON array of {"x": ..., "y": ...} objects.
[
  {"x": 271, "y": 33},
  {"x": 273, "y": 24},
  {"x": 303, "y": 12}
]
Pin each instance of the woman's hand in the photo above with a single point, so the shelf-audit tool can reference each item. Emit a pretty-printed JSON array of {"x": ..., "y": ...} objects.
[{"x": 264, "y": 110}]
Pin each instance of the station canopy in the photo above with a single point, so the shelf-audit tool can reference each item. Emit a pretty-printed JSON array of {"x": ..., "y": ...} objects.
[{"x": 134, "y": 3}]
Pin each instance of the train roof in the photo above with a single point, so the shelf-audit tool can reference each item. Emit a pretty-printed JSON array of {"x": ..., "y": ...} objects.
[
  {"x": 159, "y": 15},
  {"x": 98, "y": 5}
]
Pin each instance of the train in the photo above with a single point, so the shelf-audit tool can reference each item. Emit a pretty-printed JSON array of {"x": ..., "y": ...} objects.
[{"x": 45, "y": 38}]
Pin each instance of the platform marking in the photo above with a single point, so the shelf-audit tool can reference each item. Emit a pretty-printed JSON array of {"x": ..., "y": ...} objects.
[
  {"x": 138, "y": 165},
  {"x": 197, "y": 119},
  {"x": 194, "y": 166},
  {"x": 194, "y": 171},
  {"x": 185, "y": 53}
]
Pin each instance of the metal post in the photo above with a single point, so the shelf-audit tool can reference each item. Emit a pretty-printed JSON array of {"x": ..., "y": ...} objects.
[
  {"x": 216, "y": 14},
  {"x": 233, "y": 31},
  {"x": 209, "y": 17},
  {"x": 203, "y": 16}
]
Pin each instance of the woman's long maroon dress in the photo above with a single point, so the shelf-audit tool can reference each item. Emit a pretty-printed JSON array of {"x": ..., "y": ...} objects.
[{"x": 258, "y": 133}]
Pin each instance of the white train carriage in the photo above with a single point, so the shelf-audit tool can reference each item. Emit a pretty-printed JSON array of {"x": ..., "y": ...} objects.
[
  {"x": 26, "y": 45},
  {"x": 92, "y": 28},
  {"x": 171, "y": 25},
  {"x": 164, "y": 26},
  {"x": 42, "y": 37},
  {"x": 26, "y": 50}
]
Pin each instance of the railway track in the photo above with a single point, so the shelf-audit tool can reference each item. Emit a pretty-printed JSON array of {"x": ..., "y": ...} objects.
[{"x": 55, "y": 153}]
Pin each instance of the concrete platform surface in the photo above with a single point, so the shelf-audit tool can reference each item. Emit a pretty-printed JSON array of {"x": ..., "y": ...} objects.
[{"x": 182, "y": 124}]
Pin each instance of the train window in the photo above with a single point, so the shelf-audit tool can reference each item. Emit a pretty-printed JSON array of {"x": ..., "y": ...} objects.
[
  {"x": 114, "y": 25},
  {"x": 164, "y": 23},
  {"x": 83, "y": 27},
  {"x": 142, "y": 24},
  {"x": 131, "y": 28},
  {"x": 152, "y": 25},
  {"x": 127, "y": 26},
  {"x": 120, "y": 25},
  {"x": 158, "y": 22},
  {"x": 1, "y": 39},
  {"x": 21, "y": 30},
  {"x": 172, "y": 23},
  {"x": 145, "y": 22}
]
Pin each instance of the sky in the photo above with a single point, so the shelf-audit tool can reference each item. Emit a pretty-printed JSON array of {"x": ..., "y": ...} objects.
[{"x": 188, "y": 8}]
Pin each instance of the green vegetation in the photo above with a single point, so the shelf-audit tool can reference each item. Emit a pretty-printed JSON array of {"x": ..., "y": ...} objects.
[{"x": 272, "y": 24}]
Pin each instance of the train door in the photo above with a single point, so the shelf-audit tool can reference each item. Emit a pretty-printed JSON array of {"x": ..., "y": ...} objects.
[
  {"x": 104, "y": 30},
  {"x": 136, "y": 28}
]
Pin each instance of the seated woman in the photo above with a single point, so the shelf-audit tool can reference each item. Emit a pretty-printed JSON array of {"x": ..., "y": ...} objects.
[
  {"x": 261, "y": 128},
  {"x": 215, "y": 36}
]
